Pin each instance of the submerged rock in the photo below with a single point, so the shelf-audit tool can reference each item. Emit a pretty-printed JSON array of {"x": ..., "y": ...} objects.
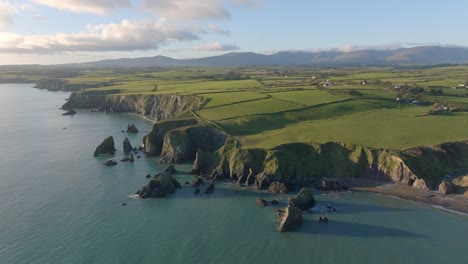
[
  {"x": 420, "y": 184},
  {"x": 291, "y": 218},
  {"x": 110, "y": 162},
  {"x": 261, "y": 202},
  {"x": 132, "y": 129},
  {"x": 278, "y": 187},
  {"x": 132, "y": 159},
  {"x": 125, "y": 159},
  {"x": 304, "y": 200},
  {"x": 127, "y": 146},
  {"x": 159, "y": 187},
  {"x": 197, "y": 192},
  {"x": 446, "y": 188},
  {"x": 107, "y": 147},
  {"x": 210, "y": 189}
]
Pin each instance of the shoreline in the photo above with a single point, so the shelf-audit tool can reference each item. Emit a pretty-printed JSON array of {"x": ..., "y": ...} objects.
[{"x": 454, "y": 203}]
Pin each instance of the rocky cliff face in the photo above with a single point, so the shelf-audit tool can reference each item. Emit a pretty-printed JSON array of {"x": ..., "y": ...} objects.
[{"x": 157, "y": 107}]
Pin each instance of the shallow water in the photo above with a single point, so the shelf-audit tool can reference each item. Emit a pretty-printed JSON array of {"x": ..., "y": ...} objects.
[{"x": 59, "y": 204}]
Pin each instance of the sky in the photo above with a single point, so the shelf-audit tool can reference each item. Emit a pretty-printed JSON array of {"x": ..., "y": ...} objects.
[{"x": 65, "y": 31}]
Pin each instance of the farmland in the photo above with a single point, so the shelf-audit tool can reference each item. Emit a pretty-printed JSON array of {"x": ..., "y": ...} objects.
[{"x": 267, "y": 106}]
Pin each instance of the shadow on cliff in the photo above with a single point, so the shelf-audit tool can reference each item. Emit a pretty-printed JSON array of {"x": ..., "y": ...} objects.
[{"x": 339, "y": 228}]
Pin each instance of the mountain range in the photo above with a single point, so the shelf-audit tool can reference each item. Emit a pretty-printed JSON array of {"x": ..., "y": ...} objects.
[{"x": 422, "y": 55}]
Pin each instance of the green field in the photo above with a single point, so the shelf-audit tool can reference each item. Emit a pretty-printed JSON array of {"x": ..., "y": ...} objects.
[{"x": 268, "y": 106}]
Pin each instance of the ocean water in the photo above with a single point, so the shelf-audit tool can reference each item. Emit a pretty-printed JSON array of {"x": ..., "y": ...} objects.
[{"x": 59, "y": 204}]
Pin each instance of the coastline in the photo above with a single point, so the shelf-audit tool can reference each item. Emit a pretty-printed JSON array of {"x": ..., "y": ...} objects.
[{"x": 451, "y": 203}]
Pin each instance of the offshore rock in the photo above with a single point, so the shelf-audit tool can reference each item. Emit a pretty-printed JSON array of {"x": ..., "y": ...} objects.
[
  {"x": 132, "y": 129},
  {"x": 278, "y": 187},
  {"x": 159, "y": 187},
  {"x": 262, "y": 203},
  {"x": 304, "y": 199},
  {"x": 70, "y": 112},
  {"x": 291, "y": 218},
  {"x": 107, "y": 147},
  {"x": 127, "y": 146},
  {"x": 110, "y": 162},
  {"x": 210, "y": 189}
]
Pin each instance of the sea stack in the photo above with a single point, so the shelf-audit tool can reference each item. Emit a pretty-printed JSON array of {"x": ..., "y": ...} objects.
[
  {"x": 127, "y": 146},
  {"x": 291, "y": 218},
  {"x": 304, "y": 199},
  {"x": 107, "y": 147},
  {"x": 132, "y": 129}
]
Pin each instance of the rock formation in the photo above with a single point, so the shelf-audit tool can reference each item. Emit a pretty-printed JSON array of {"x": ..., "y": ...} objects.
[
  {"x": 110, "y": 162},
  {"x": 303, "y": 200},
  {"x": 159, "y": 187},
  {"x": 446, "y": 188},
  {"x": 278, "y": 187},
  {"x": 131, "y": 129},
  {"x": 127, "y": 146},
  {"x": 210, "y": 189},
  {"x": 107, "y": 147},
  {"x": 420, "y": 184},
  {"x": 291, "y": 218},
  {"x": 69, "y": 112},
  {"x": 262, "y": 203},
  {"x": 461, "y": 181}
]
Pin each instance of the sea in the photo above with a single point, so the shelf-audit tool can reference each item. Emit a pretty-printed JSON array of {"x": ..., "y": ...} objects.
[{"x": 59, "y": 204}]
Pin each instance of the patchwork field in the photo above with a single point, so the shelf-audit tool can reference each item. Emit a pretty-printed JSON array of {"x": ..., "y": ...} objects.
[{"x": 268, "y": 106}]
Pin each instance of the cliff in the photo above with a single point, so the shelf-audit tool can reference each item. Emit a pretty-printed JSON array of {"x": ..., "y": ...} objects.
[
  {"x": 156, "y": 107},
  {"x": 63, "y": 85}
]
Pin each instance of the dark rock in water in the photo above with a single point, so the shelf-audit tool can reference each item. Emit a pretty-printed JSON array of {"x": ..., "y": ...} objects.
[
  {"x": 304, "y": 199},
  {"x": 107, "y": 147},
  {"x": 187, "y": 183},
  {"x": 123, "y": 131},
  {"x": 328, "y": 184},
  {"x": 278, "y": 187},
  {"x": 197, "y": 192},
  {"x": 262, "y": 203},
  {"x": 197, "y": 182},
  {"x": 127, "y": 146},
  {"x": 148, "y": 176},
  {"x": 323, "y": 219},
  {"x": 132, "y": 129},
  {"x": 291, "y": 218},
  {"x": 140, "y": 148},
  {"x": 138, "y": 157},
  {"x": 135, "y": 149},
  {"x": 170, "y": 169},
  {"x": 110, "y": 162},
  {"x": 274, "y": 202},
  {"x": 132, "y": 159},
  {"x": 210, "y": 189},
  {"x": 159, "y": 187},
  {"x": 125, "y": 159},
  {"x": 446, "y": 188},
  {"x": 70, "y": 112},
  {"x": 124, "y": 204}
]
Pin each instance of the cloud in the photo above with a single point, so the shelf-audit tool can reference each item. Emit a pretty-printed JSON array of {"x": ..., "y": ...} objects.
[
  {"x": 215, "y": 46},
  {"x": 125, "y": 36},
  {"x": 217, "y": 30},
  {"x": 99, "y": 7},
  {"x": 248, "y": 3},
  {"x": 6, "y": 9},
  {"x": 187, "y": 9}
]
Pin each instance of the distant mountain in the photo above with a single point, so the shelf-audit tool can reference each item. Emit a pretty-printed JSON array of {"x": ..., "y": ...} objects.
[{"x": 424, "y": 55}]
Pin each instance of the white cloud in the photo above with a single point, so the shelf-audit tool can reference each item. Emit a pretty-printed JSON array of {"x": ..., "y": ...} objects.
[
  {"x": 125, "y": 36},
  {"x": 215, "y": 46},
  {"x": 187, "y": 9},
  {"x": 6, "y": 9},
  {"x": 218, "y": 30},
  {"x": 248, "y": 3},
  {"x": 99, "y": 7}
]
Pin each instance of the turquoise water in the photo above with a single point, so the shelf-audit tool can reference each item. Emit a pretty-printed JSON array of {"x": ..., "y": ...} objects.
[{"x": 60, "y": 205}]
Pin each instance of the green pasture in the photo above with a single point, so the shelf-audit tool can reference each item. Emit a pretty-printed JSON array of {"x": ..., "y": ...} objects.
[{"x": 306, "y": 97}]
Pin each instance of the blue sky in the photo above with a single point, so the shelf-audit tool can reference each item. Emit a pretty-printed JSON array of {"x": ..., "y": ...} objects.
[{"x": 62, "y": 31}]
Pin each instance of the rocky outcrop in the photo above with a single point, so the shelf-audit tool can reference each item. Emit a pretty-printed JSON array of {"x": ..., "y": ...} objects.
[
  {"x": 131, "y": 128},
  {"x": 69, "y": 112},
  {"x": 291, "y": 218},
  {"x": 127, "y": 146},
  {"x": 156, "y": 107},
  {"x": 110, "y": 162},
  {"x": 161, "y": 186},
  {"x": 210, "y": 189},
  {"x": 154, "y": 140},
  {"x": 446, "y": 188},
  {"x": 107, "y": 147},
  {"x": 420, "y": 184},
  {"x": 181, "y": 145},
  {"x": 278, "y": 187},
  {"x": 328, "y": 184},
  {"x": 303, "y": 200},
  {"x": 461, "y": 181},
  {"x": 262, "y": 203}
]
